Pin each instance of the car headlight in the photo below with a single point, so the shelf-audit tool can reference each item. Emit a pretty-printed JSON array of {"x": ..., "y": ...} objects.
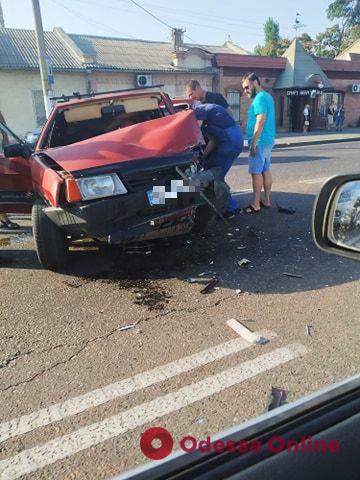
[{"x": 100, "y": 186}]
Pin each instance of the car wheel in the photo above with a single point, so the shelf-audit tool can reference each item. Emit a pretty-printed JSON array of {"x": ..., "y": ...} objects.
[{"x": 50, "y": 240}]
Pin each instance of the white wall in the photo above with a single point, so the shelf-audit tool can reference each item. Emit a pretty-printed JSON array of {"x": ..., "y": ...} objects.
[{"x": 16, "y": 98}]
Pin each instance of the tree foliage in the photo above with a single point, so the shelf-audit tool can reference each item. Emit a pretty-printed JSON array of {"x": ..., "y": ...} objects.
[
  {"x": 337, "y": 38},
  {"x": 275, "y": 45}
]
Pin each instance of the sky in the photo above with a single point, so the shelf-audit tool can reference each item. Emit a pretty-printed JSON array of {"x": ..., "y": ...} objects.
[{"x": 206, "y": 21}]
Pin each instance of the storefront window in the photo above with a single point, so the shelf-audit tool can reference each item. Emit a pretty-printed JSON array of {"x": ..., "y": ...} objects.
[{"x": 327, "y": 99}]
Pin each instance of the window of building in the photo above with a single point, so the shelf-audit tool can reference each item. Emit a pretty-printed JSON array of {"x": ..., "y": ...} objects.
[
  {"x": 39, "y": 107},
  {"x": 233, "y": 99},
  {"x": 327, "y": 99}
]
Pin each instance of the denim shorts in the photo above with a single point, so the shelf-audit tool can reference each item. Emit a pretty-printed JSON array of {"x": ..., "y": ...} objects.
[{"x": 260, "y": 163}]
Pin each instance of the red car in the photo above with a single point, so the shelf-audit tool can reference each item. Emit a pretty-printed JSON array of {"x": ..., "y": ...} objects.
[{"x": 112, "y": 167}]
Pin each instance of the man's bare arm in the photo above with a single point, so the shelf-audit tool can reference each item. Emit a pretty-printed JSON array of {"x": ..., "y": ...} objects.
[
  {"x": 259, "y": 127},
  {"x": 211, "y": 144}
]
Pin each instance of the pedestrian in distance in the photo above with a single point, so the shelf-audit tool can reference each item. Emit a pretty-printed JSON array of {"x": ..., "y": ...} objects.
[
  {"x": 224, "y": 142},
  {"x": 260, "y": 131},
  {"x": 331, "y": 116},
  {"x": 194, "y": 91},
  {"x": 340, "y": 118},
  {"x": 307, "y": 118}
]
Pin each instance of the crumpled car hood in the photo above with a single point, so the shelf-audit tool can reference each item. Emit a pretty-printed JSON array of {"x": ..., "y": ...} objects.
[{"x": 169, "y": 135}]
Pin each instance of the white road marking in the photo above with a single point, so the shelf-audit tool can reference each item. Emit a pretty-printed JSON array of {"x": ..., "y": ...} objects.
[
  {"x": 311, "y": 181},
  {"x": 73, "y": 406},
  {"x": 59, "y": 448}
]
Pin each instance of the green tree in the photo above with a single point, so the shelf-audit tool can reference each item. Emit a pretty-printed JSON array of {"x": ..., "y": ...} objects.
[
  {"x": 328, "y": 43},
  {"x": 272, "y": 39},
  {"x": 341, "y": 35},
  {"x": 307, "y": 42}
]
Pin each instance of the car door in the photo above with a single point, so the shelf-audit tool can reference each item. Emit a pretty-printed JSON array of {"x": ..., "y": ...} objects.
[{"x": 16, "y": 190}]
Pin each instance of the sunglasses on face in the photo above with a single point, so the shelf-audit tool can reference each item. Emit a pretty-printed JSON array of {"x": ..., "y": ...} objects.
[{"x": 247, "y": 87}]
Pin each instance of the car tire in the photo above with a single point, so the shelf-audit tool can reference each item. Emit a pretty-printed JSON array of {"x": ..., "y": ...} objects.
[{"x": 50, "y": 240}]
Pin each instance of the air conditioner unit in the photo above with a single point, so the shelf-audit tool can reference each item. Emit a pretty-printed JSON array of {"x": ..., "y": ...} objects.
[
  {"x": 143, "y": 80},
  {"x": 355, "y": 88}
]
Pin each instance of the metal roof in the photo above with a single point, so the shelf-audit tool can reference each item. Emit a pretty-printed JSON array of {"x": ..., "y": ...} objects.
[
  {"x": 299, "y": 67},
  {"x": 249, "y": 61},
  {"x": 18, "y": 50}
]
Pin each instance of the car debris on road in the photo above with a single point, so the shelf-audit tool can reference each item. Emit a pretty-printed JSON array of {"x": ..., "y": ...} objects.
[{"x": 278, "y": 398}]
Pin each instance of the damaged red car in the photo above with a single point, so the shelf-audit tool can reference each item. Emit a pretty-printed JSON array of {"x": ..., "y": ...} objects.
[{"x": 113, "y": 168}]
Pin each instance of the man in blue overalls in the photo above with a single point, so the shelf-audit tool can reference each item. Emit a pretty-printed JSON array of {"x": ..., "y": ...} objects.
[{"x": 224, "y": 141}]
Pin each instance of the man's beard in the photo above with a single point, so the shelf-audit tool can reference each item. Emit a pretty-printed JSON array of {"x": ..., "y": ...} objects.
[{"x": 253, "y": 93}]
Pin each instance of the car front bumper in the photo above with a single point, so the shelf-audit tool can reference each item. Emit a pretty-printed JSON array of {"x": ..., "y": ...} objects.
[{"x": 126, "y": 217}]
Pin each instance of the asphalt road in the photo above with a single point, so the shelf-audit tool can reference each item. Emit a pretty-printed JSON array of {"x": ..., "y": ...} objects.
[{"x": 180, "y": 365}]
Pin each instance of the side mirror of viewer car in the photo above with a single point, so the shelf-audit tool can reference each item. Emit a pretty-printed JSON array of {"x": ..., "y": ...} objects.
[{"x": 336, "y": 216}]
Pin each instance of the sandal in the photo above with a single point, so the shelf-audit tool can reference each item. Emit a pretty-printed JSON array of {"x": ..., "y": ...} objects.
[
  {"x": 262, "y": 205},
  {"x": 9, "y": 224},
  {"x": 250, "y": 210}
]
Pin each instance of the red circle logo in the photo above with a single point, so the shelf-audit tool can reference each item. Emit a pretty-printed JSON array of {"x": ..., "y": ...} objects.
[{"x": 156, "y": 433}]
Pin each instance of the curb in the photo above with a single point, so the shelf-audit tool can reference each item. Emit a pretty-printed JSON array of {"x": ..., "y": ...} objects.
[
  {"x": 311, "y": 142},
  {"x": 317, "y": 142}
]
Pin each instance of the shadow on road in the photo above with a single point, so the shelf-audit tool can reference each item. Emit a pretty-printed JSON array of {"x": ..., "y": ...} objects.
[{"x": 274, "y": 242}]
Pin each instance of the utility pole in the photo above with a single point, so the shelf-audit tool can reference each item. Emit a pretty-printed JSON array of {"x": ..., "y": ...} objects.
[
  {"x": 44, "y": 67},
  {"x": 2, "y": 23}
]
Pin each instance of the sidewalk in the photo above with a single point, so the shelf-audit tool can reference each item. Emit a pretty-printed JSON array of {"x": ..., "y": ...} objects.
[{"x": 291, "y": 139}]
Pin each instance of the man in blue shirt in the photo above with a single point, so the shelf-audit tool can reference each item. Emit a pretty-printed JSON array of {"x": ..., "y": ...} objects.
[
  {"x": 260, "y": 131},
  {"x": 194, "y": 90},
  {"x": 224, "y": 140}
]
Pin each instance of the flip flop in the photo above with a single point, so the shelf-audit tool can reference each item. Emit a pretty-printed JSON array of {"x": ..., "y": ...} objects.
[
  {"x": 250, "y": 210},
  {"x": 9, "y": 225},
  {"x": 262, "y": 205}
]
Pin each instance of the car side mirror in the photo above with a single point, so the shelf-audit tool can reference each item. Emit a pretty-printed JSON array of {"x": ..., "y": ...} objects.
[
  {"x": 336, "y": 217},
  {"x": 18, "y": 150}
]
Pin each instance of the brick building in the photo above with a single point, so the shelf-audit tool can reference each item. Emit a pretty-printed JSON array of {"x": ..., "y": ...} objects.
[{"x": 294, "y": 80}]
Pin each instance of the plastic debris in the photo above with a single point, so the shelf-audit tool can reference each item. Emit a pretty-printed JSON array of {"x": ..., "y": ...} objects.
[
  {"x": 127, "y": 327},
  {"x": 241, "y": 247},
  {"x": 288, "y": 210},
  {"x": 243, "y": 261},
  {"x": 210, "y": 286},
  {"x": 294, "y": 275},
  {"x": 246, "y": 333},
  {"x": 278, "y": 397},
  {"x": 308, "y": 330},
  {"x": 204, "y": 274},
  {"x": 238, "y": 291}
]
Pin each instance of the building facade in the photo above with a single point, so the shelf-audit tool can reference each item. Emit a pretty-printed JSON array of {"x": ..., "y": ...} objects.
[
  {"x": 85, "y": 63},
  {"x": 297, "y": 79}
]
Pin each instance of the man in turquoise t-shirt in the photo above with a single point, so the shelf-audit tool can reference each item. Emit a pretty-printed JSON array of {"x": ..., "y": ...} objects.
[{"x": 260, "y": 131}]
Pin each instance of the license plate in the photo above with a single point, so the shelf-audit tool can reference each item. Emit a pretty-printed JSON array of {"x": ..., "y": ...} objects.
[{"x": 150, "y": 195}]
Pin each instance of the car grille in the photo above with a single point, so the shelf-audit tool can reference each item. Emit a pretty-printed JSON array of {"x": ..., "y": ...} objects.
[{"x": 145, "y": 180}]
